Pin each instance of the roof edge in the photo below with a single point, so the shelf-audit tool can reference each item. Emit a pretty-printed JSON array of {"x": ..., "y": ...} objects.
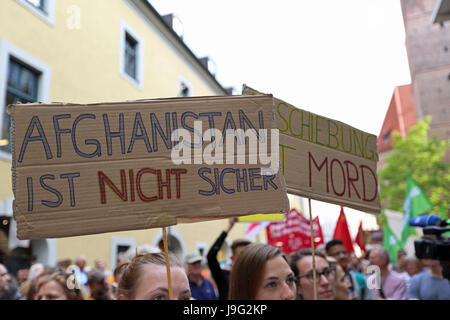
[{"x": 183, "y": 44}]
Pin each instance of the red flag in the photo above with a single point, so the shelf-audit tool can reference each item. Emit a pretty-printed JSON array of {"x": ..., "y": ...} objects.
[
  {"x": 317, "y": 233},
  {"x": 341, "y": 232},
  {"x": 294, "y": 233},
  {"x": 358, "y": 239}
]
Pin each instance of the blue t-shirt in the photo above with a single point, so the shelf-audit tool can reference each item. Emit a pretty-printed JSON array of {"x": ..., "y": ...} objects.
[
  {"x": 203, "y": 292},
  {"x": 423, "y": 286}
]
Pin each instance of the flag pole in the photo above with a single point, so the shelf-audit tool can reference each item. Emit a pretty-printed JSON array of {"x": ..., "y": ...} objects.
[
  {"x": 313, "y": 250},
  {"x": 166, "y": 253}
]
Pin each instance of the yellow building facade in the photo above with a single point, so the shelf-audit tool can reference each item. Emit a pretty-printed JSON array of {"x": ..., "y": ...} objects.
[{"x": 88, "y": 51}]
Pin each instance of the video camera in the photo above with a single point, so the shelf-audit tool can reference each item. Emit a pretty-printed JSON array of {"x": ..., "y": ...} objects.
[{"x": 433, "y": 245}]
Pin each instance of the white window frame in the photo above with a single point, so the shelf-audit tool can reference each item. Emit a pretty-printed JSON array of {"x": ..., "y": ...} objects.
[
  {"x": 202, "y": 245},
  {"x": 45, "y": 251},
  {"x": 124, "y": 29},
  {"x": 48, "y": 15},
  {"x": 119, "y": 241},
  {"x": 176, "y": 235},
  {"x": 6, "y": 51},
  {"x": 181, "y": 80}
]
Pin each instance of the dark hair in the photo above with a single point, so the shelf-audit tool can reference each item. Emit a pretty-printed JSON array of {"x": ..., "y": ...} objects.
[
  {"x": 297, "y": 256},
  {"x": 96, "y": 276},
  {"x": 367, "y": 254},
  {"x": 400, "y": 253},
  {"x": 239, "y": 243},
  {"x": 333, "y": 243},
  {"x": 247, "y": 271},
  {"x": 131, "y": 270}
]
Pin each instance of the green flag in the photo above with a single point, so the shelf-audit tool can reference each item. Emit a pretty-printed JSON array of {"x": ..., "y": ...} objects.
[
  {"x": 443, "y": 212},
  {"x": 390, "y": 242},
  {"x": 444, "y": 216},
  {"x": 416, "y": 203}
]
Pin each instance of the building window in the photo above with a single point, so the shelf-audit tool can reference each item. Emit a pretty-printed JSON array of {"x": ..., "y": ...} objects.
[
  {"x": 22, "y": 86},
  {"x": 386, "y": 137},
  {"x": 119, "y": 246},
  {"x": 26, "y": 79},
  {"x": 44, "y": 9},
  {"x": 184, "y": 88},
  {"x": 131, "y": 55},
  {"x": 202, "y": 248},
  {"x": 40, "y": 4}
]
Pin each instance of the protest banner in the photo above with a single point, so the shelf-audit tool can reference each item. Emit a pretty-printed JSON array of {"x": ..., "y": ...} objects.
[
  {"x": 326, "y": 160},
  {"x": 87, "y": 169},
  {"x": 293, "y": 233}
]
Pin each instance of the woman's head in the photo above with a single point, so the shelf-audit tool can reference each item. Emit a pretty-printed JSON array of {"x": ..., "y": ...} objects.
[
  {"x": 145, "y": 278},
  {"x": 59, "y": 286},
  {"x": 354, "y": 260},
  {"x": 342, "y": 285},
  {"x": 261, "y": 272},
  {"x": 302, "y": 265}
]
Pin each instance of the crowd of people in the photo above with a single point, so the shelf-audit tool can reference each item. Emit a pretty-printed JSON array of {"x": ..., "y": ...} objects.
[{"x": 257, "y": 272}]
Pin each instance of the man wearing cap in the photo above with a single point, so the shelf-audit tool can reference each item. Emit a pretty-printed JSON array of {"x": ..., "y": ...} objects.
[{"x": 201, "y": 288}]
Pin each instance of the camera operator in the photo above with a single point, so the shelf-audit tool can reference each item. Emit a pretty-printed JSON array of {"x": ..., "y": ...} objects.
[{"x": 431, "y": 283}]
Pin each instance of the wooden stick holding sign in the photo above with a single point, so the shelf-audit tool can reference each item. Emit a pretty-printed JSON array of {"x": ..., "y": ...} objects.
[
  {"x": 166, "y": 253},
  {"x": 312, "y": 249}
]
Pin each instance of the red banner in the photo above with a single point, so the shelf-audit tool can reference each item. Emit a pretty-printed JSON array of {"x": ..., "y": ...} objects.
[{"x": 294, "y": 233}]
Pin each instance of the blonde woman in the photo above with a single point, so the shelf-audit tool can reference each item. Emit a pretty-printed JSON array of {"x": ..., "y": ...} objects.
[
  {"x": 60, "y": 286},
  {"x": 145, "y": 278}
]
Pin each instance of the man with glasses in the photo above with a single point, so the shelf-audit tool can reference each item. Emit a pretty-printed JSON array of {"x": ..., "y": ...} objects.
[
  {"x": 336, "y": 249},
  {"x": 301, "y": 264}
]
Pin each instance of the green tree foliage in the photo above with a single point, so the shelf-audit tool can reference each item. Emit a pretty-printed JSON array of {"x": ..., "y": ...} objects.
[{"x": 422, "y": 157}]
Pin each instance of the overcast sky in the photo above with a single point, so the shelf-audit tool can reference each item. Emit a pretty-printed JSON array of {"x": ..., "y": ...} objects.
[{"x": 339, "y": 59}]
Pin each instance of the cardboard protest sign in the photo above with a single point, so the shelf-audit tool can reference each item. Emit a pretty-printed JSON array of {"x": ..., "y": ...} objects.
[
  {"x": 326, "y": 160},
  {"x": 294, "y": 233},
  {"x": 86, "y": 169}
]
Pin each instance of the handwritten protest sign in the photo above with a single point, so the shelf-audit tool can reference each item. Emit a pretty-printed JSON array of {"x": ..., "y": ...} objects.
[
  {"x": 326, "y": 160},
  {"x": 86, "y": 169}
]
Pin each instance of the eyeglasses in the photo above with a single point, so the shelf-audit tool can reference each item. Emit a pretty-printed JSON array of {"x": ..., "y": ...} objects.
[{"x": 327, "y": 272}]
